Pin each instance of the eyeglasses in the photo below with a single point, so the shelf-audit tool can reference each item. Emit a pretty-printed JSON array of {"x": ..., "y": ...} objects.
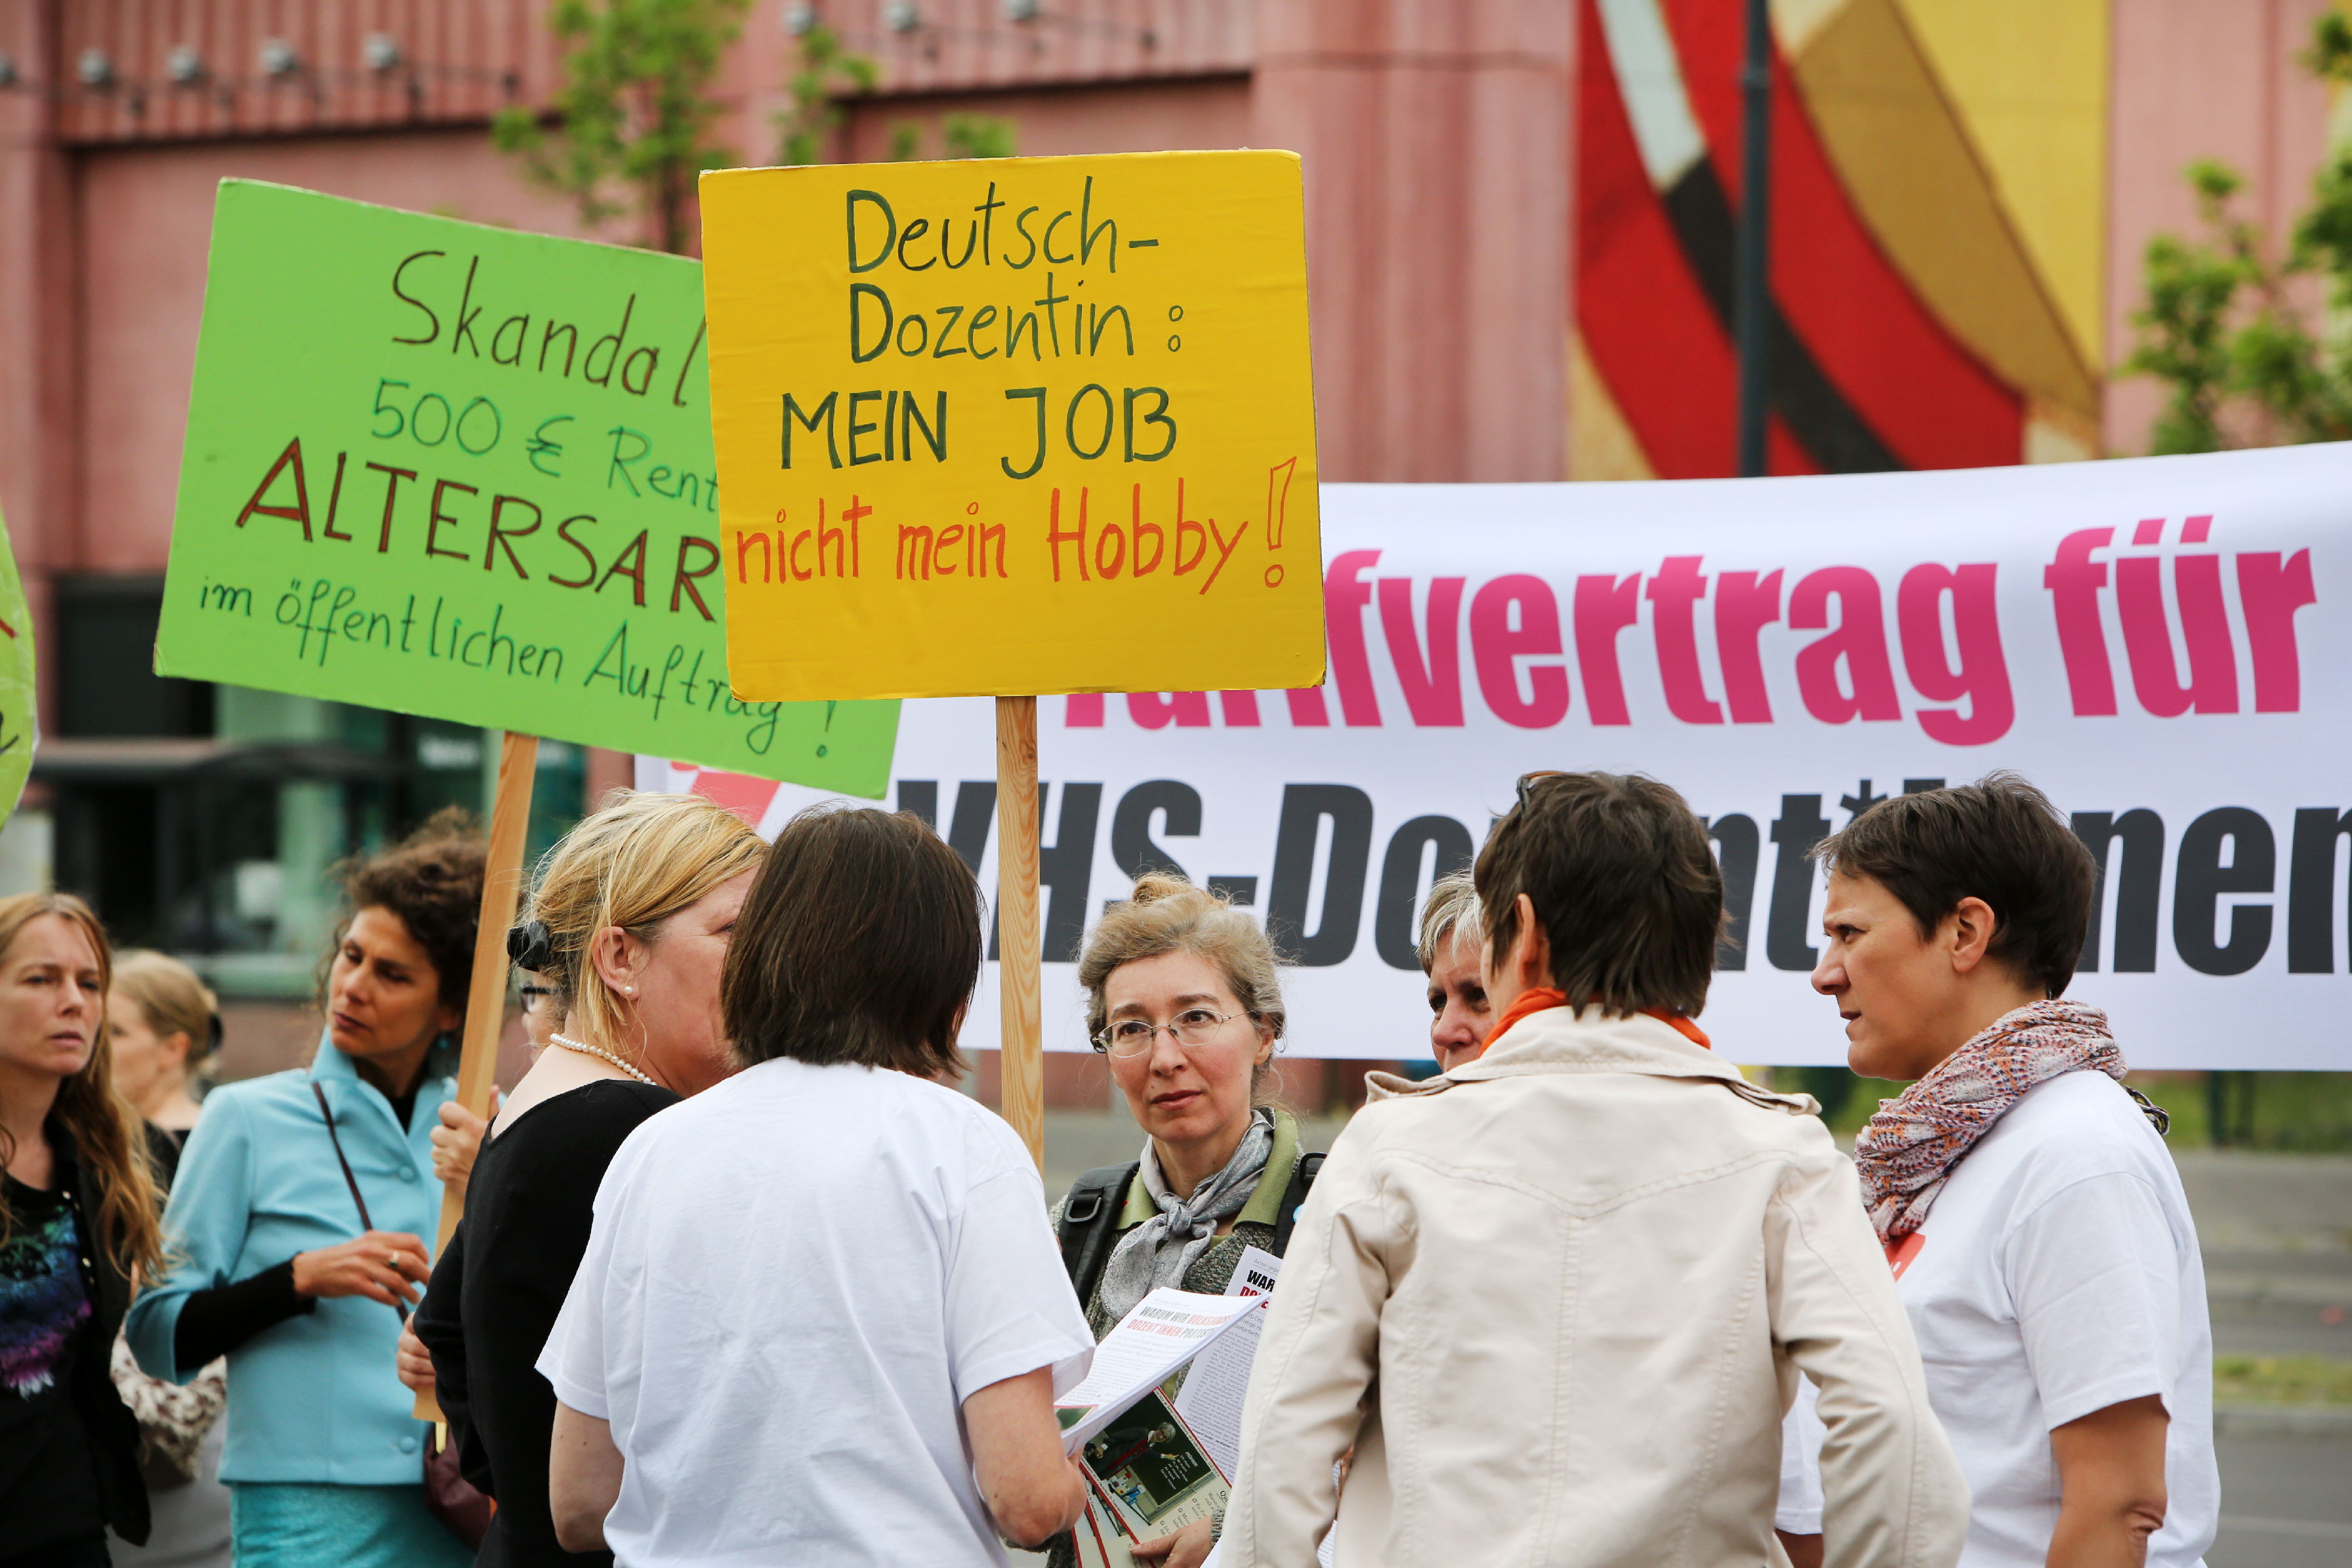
[
  {"x": 1528, "y": 781},
  {"x": 1190, "y": 1029}
]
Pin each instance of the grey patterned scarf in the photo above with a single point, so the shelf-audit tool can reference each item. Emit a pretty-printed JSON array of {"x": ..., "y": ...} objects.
[
  {"x": 1162, "y": 1248},
  {"x": 1907, "y": 1153}
]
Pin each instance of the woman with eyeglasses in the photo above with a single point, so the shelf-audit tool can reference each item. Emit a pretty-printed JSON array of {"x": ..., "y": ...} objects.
[{"x": 1183, "y": 997}]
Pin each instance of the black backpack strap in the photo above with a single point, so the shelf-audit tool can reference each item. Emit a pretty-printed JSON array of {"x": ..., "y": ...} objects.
[
  {"x": 1302, "y": 1177},
  {"x": 1090, "y": 1223}
]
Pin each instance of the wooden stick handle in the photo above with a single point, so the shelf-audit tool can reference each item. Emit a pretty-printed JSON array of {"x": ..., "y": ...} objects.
[
  {"x": 486, "y": 1011},
  {"x": 1020, "y": 934}
]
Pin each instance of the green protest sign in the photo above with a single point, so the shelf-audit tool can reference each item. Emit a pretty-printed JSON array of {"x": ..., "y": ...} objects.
[
  {"x": 19, "y": 702},
  {"x": 464, "y": 472}
]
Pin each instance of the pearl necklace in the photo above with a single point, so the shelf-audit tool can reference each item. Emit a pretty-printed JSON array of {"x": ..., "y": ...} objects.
[{"x": 598, "y": 1051}]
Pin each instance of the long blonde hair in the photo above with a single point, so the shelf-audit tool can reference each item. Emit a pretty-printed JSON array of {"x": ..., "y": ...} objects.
[
  {"x": 109, "y": 1144},
  {"x": 635, "y": 864},
  {"x": 1168, "y": 914}
]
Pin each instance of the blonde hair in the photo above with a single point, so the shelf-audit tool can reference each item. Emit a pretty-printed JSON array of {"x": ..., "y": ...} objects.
[
  {"x": 172, "y": 1001},
  {"x": 1168, "y": 914},
  {"x": 110, "y": 1142},
  {"x": 1453, "y": 910},
  {"x": 642, "y": 859}
]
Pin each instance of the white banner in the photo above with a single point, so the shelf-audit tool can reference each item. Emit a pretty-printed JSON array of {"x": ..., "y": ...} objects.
[{"x": 2160, "y": 644}]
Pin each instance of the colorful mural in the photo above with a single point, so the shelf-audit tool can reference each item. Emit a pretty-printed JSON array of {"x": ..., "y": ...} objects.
[{"x": 1936, "y": 235}]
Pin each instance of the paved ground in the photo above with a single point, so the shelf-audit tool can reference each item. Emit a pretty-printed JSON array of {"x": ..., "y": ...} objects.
[
  {"x": 2286, "y": 1503},
  {"x": 2276, "y": 1232},
  {"x": 2277, "y": 1237}
]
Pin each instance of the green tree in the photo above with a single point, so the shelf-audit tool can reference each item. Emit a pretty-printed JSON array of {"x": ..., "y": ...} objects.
[
  {"x": 828, "y": 73},
  {"x": 961, "y": 136},
  {"x": 977, "y": 136},
  {"x": 631, "y": 124},
  {"x": 2220, "y": 326}
]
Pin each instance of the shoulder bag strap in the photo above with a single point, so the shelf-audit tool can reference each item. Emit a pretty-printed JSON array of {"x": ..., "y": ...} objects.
[{"x": 349, "y": 1180}]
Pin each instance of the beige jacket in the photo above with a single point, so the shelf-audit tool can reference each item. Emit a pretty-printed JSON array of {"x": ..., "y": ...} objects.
[{"x": 1558, "y": 1301}]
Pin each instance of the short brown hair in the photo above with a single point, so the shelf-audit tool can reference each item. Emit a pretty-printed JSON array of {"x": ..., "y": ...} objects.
[
  {"x": 432, "y": 880},
  {"x": 1621, "y": 878},
  {"x": 1999, "y": 840},
  {"x": 859, "y": 942}
]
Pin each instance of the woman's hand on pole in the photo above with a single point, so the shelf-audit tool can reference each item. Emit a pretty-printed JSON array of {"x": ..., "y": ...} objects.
[
  {"x": 383, "y": 1266},
  {"x": 454, "y": 1143},
  {"x": 413, "y": 1361}
]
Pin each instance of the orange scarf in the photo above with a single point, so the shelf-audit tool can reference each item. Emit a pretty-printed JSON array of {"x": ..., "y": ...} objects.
[{"x": 1540, "y": 998}]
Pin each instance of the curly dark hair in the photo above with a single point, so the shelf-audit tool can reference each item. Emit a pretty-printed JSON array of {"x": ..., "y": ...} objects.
[{"x": 432, "y": 880}]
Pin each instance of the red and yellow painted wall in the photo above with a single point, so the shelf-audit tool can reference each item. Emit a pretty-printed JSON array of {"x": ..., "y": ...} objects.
[{"x": 1939, "y": 215}]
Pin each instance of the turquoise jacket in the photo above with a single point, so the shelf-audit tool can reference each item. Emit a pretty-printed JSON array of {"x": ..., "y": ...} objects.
[{"x": 314, "y": 1398}]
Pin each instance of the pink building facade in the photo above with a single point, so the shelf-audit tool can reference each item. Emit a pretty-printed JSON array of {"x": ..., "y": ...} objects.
[{"x": 1439, "y": 138}]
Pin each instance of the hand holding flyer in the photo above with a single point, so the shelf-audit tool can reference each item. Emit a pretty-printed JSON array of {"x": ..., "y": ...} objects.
[{"x": 1151, "y": 1476}]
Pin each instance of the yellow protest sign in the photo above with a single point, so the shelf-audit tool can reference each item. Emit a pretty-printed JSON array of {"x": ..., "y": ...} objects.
[{"x": 1015, "y": 426}]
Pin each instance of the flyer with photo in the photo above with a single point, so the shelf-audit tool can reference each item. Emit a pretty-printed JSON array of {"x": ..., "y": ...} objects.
[{"x": 1151, "y": 1476}]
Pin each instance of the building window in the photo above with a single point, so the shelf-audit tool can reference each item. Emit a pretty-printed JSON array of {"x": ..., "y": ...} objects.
[{"x": 105, "y": 660}]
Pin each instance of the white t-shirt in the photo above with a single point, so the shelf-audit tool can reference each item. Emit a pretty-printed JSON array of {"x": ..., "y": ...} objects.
[
  {"x": 1802, "y": 1432},
  {"x": 794, "y": 1281},
  {"x": 2058, "y": 1273}
]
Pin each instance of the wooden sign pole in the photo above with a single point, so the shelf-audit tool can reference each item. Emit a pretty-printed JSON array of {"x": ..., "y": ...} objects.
[
  {"x": 1019, "y": 938},
  {"x": 486, "y": 1009}
]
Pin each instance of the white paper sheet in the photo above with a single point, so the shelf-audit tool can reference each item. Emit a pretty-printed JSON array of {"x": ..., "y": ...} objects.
[
  {"x": 1211, "y": 1400},
  {"x": 1166, "y": 1329},
  {"x": 1254, "y": 1275}
]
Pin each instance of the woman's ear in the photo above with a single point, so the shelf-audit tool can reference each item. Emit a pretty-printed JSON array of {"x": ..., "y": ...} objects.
[
  {"x": 615, "y": 959},
  {"x": 1968, "y": 933},
  {"x": 177, "y": 1045},
  {"x": 1530, "y": 959}
]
